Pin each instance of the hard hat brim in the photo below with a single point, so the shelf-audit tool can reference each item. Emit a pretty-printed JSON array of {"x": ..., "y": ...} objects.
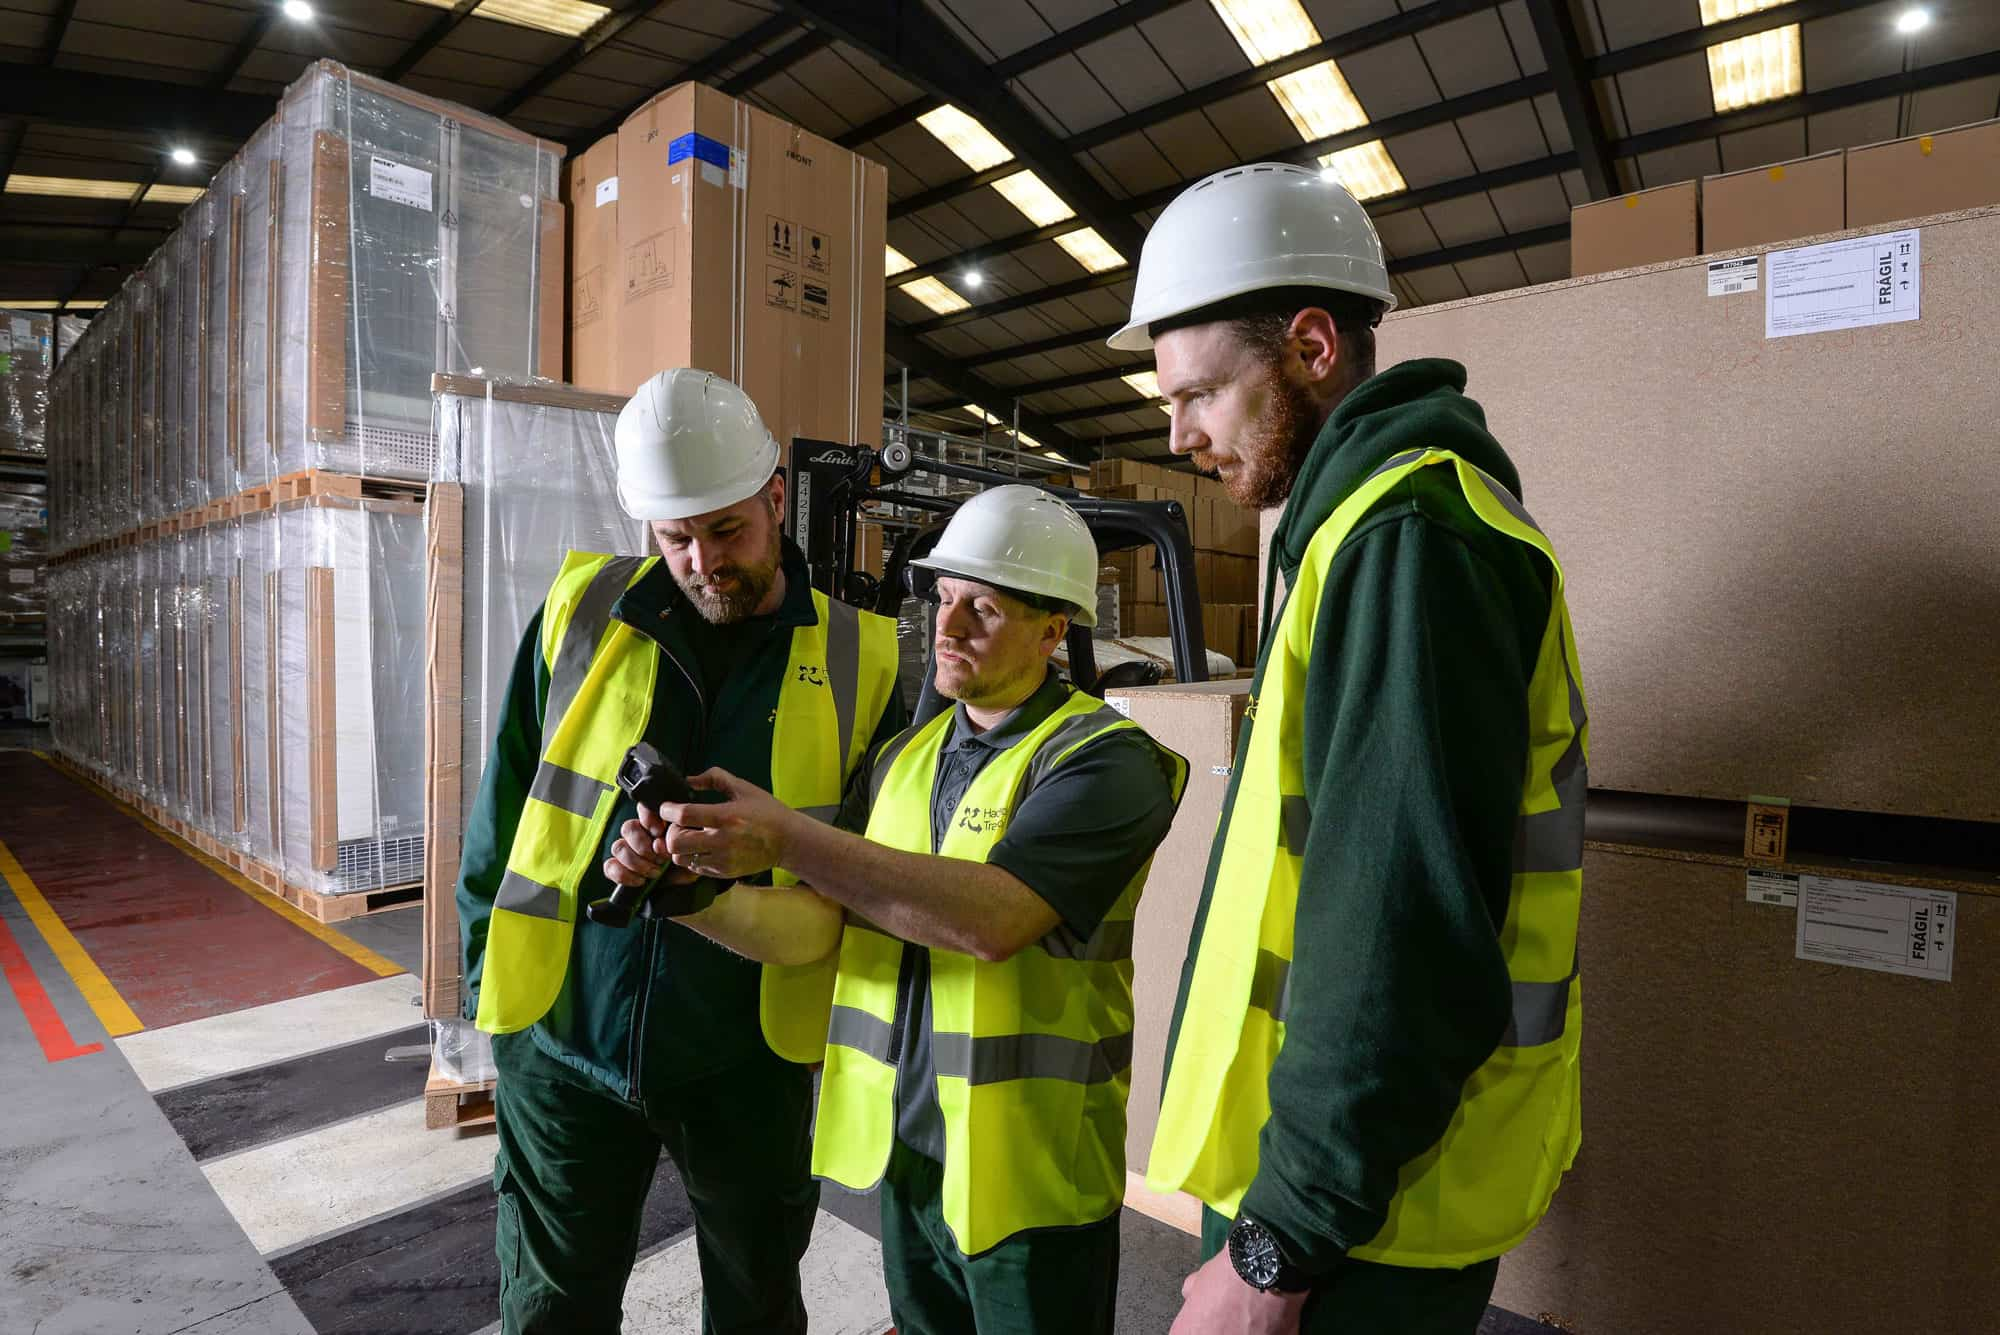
[
  {"x": 653, "y": 507},
  {"x": 995, "y": 576}
]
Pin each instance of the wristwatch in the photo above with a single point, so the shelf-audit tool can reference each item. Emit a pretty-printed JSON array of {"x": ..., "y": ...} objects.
[{"x": 1259, "y": 1260}]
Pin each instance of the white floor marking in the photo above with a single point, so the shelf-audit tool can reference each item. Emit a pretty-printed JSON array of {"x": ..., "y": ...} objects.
[
  {"x": 219, "y": 1044},
  {"x": 841, "y": 1276}
]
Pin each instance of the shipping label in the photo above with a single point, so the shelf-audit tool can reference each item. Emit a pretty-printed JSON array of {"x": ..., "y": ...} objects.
[
  {"x": 1887, "y": 928},
  {"x": 1852, "y": 284},
  {"x": 399, "y": 184}
]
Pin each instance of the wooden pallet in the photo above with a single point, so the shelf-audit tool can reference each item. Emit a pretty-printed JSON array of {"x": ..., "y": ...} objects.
[
  {"x": 314, "y": 482},
  {"x": 450, "y": 1104}
]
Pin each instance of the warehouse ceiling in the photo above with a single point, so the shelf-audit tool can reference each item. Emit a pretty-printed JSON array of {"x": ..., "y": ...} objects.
[{"x": 1029, "y": 142}]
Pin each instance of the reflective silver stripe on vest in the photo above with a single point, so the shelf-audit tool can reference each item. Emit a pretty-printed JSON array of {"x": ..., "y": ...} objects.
[
  {"x": 1271, "y": 985},
  {"x": 1111, "y": 941},
  {"x": 843, "y": 671},
  {"x": 824, "y": 815},
  {"x": 1552, "y": 841},
  {"x": 587, "y": 624},
  {"x": 1541, "y": 1011},
  {"x": 519, "y": 894},
  {"x": 565, "y": 788},
  {"x": 1073, "y": 732},
  {"x": 998, "y": 1057},
  {"x": 1294, "y": 823},
  {"x": 867, "y": 1034}
]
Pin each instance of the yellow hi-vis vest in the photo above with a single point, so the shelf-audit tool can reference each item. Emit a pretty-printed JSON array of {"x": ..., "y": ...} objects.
[
  {"x": 1486, "y": 1183},
  {"x": 840, "y": 676},
  {"x": 1033, "y": 1054}
]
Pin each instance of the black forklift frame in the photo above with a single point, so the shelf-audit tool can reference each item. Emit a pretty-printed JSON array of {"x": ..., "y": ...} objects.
[{"x": 830, "y": 480}]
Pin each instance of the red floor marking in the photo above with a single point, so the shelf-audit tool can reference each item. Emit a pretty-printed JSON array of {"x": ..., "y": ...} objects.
[
  {"x": 50, "y": 1031},
  {"x": 174, "y": 939}
]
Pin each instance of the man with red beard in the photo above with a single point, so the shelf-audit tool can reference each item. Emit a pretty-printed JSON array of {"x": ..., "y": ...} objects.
[
  {"x": 619, "y": 1039},
  {"x": 1372, "y": 1070}
]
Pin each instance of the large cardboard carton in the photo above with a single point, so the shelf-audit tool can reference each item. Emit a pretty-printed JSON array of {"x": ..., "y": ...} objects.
[
  {"x": 1645, "y": 227},
  {"x": 1200, "y": 721},
  {"x": 593, "y": 264},
  {"x": 753, "y": 249},
  {"x": 1924, "y": 174},
  {"x": 1778, "y": 203}
]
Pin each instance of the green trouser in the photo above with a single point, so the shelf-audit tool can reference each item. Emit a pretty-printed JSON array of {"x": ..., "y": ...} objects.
[
  {"x": 1054, "y": 1279},
  {"x": 1363, "y": 1298},
  {"x": 576, "y": 1163}
]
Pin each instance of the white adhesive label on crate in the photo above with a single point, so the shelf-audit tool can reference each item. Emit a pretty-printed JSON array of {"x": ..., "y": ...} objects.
[
  {"x": 1772, "y": 887},
  {"x": 1119, "y": 703},
  {"x": 607, "y": 191},
  {"x": 739, "y": 168},
  {"x": 20, "y": 577},
  {"x": 1852, "y": 284},
  {"x": 1728, "y": 277},
  {"x": 1887, "y": 928},
  {"x": 713, "y": 174},
  {"x": 399, "y": 184}
]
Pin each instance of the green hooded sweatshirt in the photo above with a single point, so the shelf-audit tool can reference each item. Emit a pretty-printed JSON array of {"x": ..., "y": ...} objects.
[{"x": 1416, "y": 738}]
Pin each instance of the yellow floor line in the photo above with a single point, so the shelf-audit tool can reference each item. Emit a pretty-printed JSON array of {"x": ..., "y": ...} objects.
[
  {"x": 112, "y": 1012},
  {"x": 378, "y": 964}
]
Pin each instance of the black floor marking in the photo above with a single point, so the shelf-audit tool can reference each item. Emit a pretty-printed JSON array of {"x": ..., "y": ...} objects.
[{"x": 246, "y": 1108}]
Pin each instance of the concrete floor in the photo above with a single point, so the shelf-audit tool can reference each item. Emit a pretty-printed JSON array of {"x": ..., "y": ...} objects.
[{"x": 240, "y": 1158}]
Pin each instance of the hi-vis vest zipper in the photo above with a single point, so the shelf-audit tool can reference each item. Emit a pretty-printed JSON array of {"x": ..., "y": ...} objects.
[
  {"x": 1484, "y": 1186},
  {"x": 838, "y": 680},
  {"x": 1033, "y": 1054}
]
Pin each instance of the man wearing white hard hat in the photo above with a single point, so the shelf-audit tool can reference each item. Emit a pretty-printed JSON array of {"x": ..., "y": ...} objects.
[
  {"x": 618, "y": 1037},
  {"x": 1372, "y": 1071},
  {"x": 980, "y": 1047}
]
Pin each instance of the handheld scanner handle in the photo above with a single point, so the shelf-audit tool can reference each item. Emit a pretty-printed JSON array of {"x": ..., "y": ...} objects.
[{"x": 649, "y": 778}]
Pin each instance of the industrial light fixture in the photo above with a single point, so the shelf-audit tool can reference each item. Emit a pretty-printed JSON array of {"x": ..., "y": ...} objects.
[
  {"x": 1090, "y": 250},
  {"x": 1267, "y": 30},
  {"x": 70, "y": 187},
  {"x": 1037, "y": 203},
  {"x": 1721, "y": 11},
  {"x": 895, "y": 262},
  {"x": 1914, "y": 19},
  {"x": 1146, "y": 382},
  {"x": 298, "y": 11},
  {"x": 973, "y": 279},
  {"x": 1318, "y": 101},
  {"x": 568, "y": 18},
  {"x": 1760, "y": 68},
  {"x": 172, "y": 194},
  {"x": 183, "y": 157},
  {"x": 973, "y": 144},
  {"x": 1021, "y": 436},
  {"x": 935, "y": 296},
  {"x": 1366, "y": 170}
]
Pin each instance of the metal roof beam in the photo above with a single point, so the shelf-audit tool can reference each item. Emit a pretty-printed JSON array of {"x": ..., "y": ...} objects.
[
  {"x": 1691, "y": 40},
  {"x": 710, "y": 65},
  {"x": 603, "y": 31},
  {"x": 139, "y": 106},
  {"x": 442, "y": 27},
  {"x": 771, "y": 66},
  {"x": 1023, "y": 300},
  {"x": 1555, "y": 29}
]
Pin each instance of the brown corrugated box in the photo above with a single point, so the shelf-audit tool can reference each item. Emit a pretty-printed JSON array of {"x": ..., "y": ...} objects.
[
  {"x": 1924, "y": 174},
  {"x": 1200, "y": 721},
  {"x": 593, "y": 264},
  {"x": 1645, "y": 227},
  {"x": 1805, "y": 197},
  {"x": 753, "y": 249}
]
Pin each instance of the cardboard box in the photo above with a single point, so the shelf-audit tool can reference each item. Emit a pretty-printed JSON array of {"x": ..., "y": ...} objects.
[
  {"x": 868, "y": 549},
  {"x": 1145, "y": 619},
  {"x": 1771, "y": 204},
  {"x": 1234, "y": 528},
  {"x": 1924, "y": 174},
  {"x": 1231, "y": 578},
  {"x": 753, "y": 249},
  {"x": 1109, "y": 473},
  {"x": 1631, "y": 230},
  {"x": 1201, "y": 721},
  {"x": 593, "y": 263},
  {"x": 1138, "y": 577}
]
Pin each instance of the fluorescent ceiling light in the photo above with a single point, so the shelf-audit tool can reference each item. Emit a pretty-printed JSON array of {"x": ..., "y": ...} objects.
[
  {"x": 1721, "y": 11},
  {"x": 11, "y": 305},
  {"x": 964, "y": 136},
  {"x": 1366, "y": 170},
  {"x": 895, "y": 261},
  {"x": 1056, "y": 455},
  {"x": 1759, "y": 68},
  {"x": 173, "y": 194},
  {"x": 990, "y": 420},
  {"x": 935, "y": 295},
  {"x": 1267, "y": 30},
  {"x": 569, "y": 18},
  {"x": 1146, "y": 382},
  {"x": 1913, "y": 20},
  {"x": 1318, "y": 101},
  {"x": 298, "y": 11},
  {"x": 1090, "y": 250},
  {"x": 1037, "y": 203},
  {"x": 70, "y": 187}
]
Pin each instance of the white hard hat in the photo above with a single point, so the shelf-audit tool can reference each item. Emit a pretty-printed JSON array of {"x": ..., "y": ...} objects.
[
  {"x": 1021, "y": 538},
  {"x": 1266, "y": 225},
  {"x": 690, "y": 442}
]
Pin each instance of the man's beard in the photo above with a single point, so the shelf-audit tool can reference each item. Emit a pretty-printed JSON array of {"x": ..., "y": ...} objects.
[
  {"x": 1282, "y": 436},
  {"x": 722, "y": 607}
]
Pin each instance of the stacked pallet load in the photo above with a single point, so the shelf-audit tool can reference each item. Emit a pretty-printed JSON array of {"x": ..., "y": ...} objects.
[
  {"x": 1225, "y": 542},
  {"x": 240, "y": 446}
]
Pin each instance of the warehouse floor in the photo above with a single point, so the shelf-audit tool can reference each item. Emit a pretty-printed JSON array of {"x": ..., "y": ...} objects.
[{"x": 201, "y": 1133}]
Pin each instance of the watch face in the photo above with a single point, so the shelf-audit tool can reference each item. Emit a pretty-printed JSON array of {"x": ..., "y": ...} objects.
[{"x": 1254, "y": 1253}]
